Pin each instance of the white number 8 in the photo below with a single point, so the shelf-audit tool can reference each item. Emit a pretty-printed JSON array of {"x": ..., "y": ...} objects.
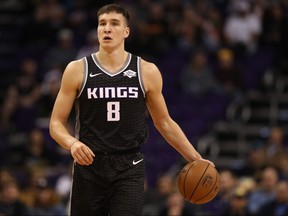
[{"x": 113, "y": 111}]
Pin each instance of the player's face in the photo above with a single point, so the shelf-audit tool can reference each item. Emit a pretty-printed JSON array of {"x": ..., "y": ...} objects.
[{"x": 112, "y": 29}]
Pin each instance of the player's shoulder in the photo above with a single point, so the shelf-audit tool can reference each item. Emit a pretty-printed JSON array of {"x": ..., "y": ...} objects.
[
  {"x": 75, "y": 64},
  {"x": 73, "y": 72},
  {"x": 148, "y": 67},
  {"x": 150, "y": 74}
]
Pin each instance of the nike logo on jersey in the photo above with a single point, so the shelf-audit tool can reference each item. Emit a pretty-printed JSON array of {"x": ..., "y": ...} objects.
[
  {"x": 136, "y": 162},
  {"x": 93, "y": 75},
  {"x": 129, "y": 73}
]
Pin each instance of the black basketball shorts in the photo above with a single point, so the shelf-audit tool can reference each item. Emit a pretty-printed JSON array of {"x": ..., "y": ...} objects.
[{"x": 112, "y": 185}]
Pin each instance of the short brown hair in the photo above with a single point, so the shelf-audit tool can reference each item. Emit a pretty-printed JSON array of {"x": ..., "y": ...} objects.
[{"x": 114, "y": 8}]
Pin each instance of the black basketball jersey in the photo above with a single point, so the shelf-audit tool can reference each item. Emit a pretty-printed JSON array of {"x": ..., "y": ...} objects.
[{"x": 111, "y": 109}]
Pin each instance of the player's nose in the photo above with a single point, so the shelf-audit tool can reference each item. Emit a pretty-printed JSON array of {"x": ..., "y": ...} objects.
[{"x": 107, "y": 29}]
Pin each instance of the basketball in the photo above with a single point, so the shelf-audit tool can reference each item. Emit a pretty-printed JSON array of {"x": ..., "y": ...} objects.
[{"x": 198, "y": 182}]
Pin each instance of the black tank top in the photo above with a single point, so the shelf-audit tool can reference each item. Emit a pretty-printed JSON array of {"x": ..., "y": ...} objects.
[{"x": 111, "y": 113}]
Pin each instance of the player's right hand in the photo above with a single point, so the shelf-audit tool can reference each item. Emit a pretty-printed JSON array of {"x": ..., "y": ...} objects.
[{"x": 82, "y": 154}]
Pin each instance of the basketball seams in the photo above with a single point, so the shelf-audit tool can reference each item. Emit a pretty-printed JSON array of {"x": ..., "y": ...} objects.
[
  {"x": 217, "y": 176},
  {"x": 184, "y": 180},
  {"x": 199, "y": 181}
]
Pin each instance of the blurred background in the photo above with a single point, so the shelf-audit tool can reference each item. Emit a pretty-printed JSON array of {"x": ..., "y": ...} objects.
[{"x": 225, "y": 71}]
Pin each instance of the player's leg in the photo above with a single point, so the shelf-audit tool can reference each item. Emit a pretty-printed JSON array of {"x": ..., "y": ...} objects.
[
  {"x": 127, "y": 196},
  {"x": 88, "y": 195}
]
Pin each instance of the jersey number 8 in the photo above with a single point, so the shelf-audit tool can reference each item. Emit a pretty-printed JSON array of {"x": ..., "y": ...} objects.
[{"x": 113, "y": 111}]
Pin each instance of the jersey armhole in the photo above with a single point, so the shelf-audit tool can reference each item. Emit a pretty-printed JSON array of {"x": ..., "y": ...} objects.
[
  {"x": 140, "y": 76},
  {"x": 85, "y": 63}
]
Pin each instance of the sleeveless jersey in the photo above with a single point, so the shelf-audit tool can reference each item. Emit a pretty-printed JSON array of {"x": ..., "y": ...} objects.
[{"x": 111, "y": 113}]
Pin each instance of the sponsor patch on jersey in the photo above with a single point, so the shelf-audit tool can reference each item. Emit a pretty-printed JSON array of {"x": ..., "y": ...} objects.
[{"x": 129, "y": 73}]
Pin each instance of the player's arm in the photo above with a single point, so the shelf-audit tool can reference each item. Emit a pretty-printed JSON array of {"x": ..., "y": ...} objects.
[
  {"x": 71, "y": 81},
  {"x": 168, "y": 128}
]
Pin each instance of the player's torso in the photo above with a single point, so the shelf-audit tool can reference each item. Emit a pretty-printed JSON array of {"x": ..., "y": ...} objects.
[{"x": 111, "y": 108}]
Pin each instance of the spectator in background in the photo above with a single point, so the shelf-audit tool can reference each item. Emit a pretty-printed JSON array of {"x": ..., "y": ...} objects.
[
  {"x": 176, "y": 205},
  {"x": 57, "y": 15},
  {"x": 165, "y": 185},
  {"x": 156, "y": 30},
  {"x": 37, "y": 151},
  {"x": 238, "y": 204},
  {"x": 4, "y": 151},
  {"x": 49, "y": 90},
  {"x": 281, "y": 60},
  {"x": 78, "y": 23},
  {"x": 10, "y": 203},
  {"x": 150, "y": 199},
  {"x": 21, "y": 97},
  {"x": 274, "y": 25},
  {"x": 275, "y": 147},
  {"x": 255, "y": 160},
  {"x": 196, "y": 78},
  {"x": 38, "y": 33},
  {"x": 63, "y": 184},
  {"x": 6, "y": 175},
  {"x": 229, "y": 74},
  {"x": 46, "y": 201},
  {"x": 283, "y": 168},
  {"x": 33, "y": 173},
  {"x": 248, "y": 183},
  {"x": 265, "y": 192},
  {"x": 228, "y": 183},
  {"x": 279, "y": 205},
  {"x": 155, "y": 198},
  {"x": 212, "y": 30},
  {"x": 41, "y": 30},
  {"x": 188, "y": 31},
  {"x": 242, "y": 29},
  {"x": 91, "y": 46},
  {"x": 61, "y": 54},
  {"x": 173, "y": 11}
]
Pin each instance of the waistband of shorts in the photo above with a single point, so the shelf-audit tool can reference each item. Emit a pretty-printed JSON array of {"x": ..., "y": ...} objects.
[{"x": 120, "y": 152}]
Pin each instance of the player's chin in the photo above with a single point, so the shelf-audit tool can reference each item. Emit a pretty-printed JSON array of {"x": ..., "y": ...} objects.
[
  {"x": 106, "y": 42},
  {"x": 107, "y": 45}
]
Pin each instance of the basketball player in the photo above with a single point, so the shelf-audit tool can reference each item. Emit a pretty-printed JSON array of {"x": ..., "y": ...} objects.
[{"x": 112, "y": 90}]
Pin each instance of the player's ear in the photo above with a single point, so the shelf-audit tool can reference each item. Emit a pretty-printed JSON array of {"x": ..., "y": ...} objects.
[{"x": 126, "y": 32}]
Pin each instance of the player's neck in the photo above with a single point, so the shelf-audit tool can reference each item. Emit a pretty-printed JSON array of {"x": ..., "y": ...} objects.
[{"x": 112, "y": 61}]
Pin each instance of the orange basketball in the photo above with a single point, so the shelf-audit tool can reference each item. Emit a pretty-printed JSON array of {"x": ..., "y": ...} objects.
[{"x": 198, "y": 182}]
